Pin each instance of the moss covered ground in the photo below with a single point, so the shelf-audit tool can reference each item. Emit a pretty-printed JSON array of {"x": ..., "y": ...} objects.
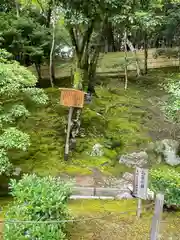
[
  {"x": 122, "y": 121},
  {"x": 117, "y": 220},
  {"x": 110, "y": 219}
]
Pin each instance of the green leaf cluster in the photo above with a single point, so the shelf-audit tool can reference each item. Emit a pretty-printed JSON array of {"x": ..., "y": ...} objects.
[
  {"x": 171, "y": 107},
  {"x": 17, "y": 88},
  {"x": 38, "y": 199},
  {"x": 168, "y": 183},
  {"x": 26, "y": 37}
]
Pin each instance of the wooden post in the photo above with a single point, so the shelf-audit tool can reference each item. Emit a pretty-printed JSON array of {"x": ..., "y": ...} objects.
[
  {"x": 126, "y": 62},
  {"x": 66, "y": 153},
  {"x": 71, "y": 98},
  {"x": 139, "y": 207},
  {"x": 157, "y": 217}
]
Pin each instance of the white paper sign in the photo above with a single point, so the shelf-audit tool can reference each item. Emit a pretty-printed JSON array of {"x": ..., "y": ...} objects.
[{"x": 140, "y": 183}]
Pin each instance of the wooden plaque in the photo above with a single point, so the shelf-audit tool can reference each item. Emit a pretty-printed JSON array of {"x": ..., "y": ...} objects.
[{"x": 72, "y": 97}]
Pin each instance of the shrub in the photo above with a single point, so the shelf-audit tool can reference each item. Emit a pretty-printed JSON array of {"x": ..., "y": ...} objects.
[
  {"x": 37, "y": 199},
  {"x": 172, "y": 105},
  {"x": 167, "y": 182},
  {"x": 17, "y": 92}
]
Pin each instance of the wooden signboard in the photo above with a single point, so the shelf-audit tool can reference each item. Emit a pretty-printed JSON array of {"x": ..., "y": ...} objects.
[
  {"x": 72, "y": 97},
  {"x": 140, "y": 183}
]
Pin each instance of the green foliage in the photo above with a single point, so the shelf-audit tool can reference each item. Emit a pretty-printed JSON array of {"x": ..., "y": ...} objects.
[
  {"x": 171, "y": 23},
  {"x": 167, "y": 182},
  {"x": 89, "y": 10},
  {"x": 5, "y": 56},
  {"x": 17, "y": 84},
  {"x": 172, "y": 105},
  {"x": 4, "y": 162},
  {"x": 13, "y": 138},
  {"x": 25, "y": 38},
  {"x": 38, "y": 199}
]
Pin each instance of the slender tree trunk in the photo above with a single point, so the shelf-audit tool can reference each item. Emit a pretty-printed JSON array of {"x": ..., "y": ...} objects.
[
  {"x": 125, "y": 58},
  {"x": 92, "y": 71},
  {"x": 17, "y": 8},
  {"x": 49, "y": 13},
  {"x": 38, "y": 70},
  {"x": 145, "y": 53},
  {"x": 53, "y": 75},
  {"x": 51, "y": 64},
  {"x": 106, "y": 46},
  {"x": 133, "y": 50},
  {"x": 110, "y": 35},
  {"x": 179, "y": 53}
]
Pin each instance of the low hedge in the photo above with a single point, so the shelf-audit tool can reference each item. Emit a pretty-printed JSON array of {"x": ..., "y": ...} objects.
[
  {"x": 168, "y": 183},
  {"x": 37, "y": 199}
]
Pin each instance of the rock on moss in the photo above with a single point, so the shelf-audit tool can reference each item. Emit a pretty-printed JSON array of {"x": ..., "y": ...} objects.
[{"x": 136, "y": 159}]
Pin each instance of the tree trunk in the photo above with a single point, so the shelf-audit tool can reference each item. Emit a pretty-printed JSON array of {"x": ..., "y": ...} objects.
[
  {"x": 17, "y": 8},
  {"x": 49, "y": 13},
  {"x": 51, "y": 64},
  {"x": 76, "y": 116},
  {"x": 110, "y": 35},
  {"x": 106, "y": 46},
  {"x": 92, "y": 70},
  {"x": 179, "y": 53},
  {"x": 53, "y": 75},
  {"x": 125, "y": 58},
  {"x": 38, "y": 70},
  {"x": 133, "y": 50},
  {"x": 80, "y": 76},
  {"x": 145, "y": 53}
]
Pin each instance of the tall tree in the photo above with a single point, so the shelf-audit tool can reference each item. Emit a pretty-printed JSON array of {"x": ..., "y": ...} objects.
[
  {"x": 85, "y": 21},
  {"x": 26, "y": 39},
  {"x": 147, "y": 18}
]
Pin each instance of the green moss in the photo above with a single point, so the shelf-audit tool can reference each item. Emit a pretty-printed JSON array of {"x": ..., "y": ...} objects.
[
  {"x": 110, "y": 154},
  {"x": 74, "y": 170},
  {"x": 118, "y": 226},
  {"x": 117, "y": 119},
  {"x": 4, "y": 203},
  {"x": 166, "y": 167},
  {"x": 87, "y": 207},
  {"x": 117, "y": 170}
]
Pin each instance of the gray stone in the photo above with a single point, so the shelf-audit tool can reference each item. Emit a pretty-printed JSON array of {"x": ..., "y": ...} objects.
[
  {"x": 128, "y": 177},
  {"x": 120, "y": 183},
  {"x": 124, "y": 195},
  {"x": 170, "y": 152},
  {"x": 17, "y": 171},
  {"x": 136, "y": 159},
  {"x": 97, "y": 150},
  {"x": 165, "y": 150}
]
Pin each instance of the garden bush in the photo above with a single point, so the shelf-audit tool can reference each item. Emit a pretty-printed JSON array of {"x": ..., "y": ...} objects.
[
  {"x": 37, "y": 199},
  {"x": 171, "y": 107},
  {"x": 168, "y": 183}
]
